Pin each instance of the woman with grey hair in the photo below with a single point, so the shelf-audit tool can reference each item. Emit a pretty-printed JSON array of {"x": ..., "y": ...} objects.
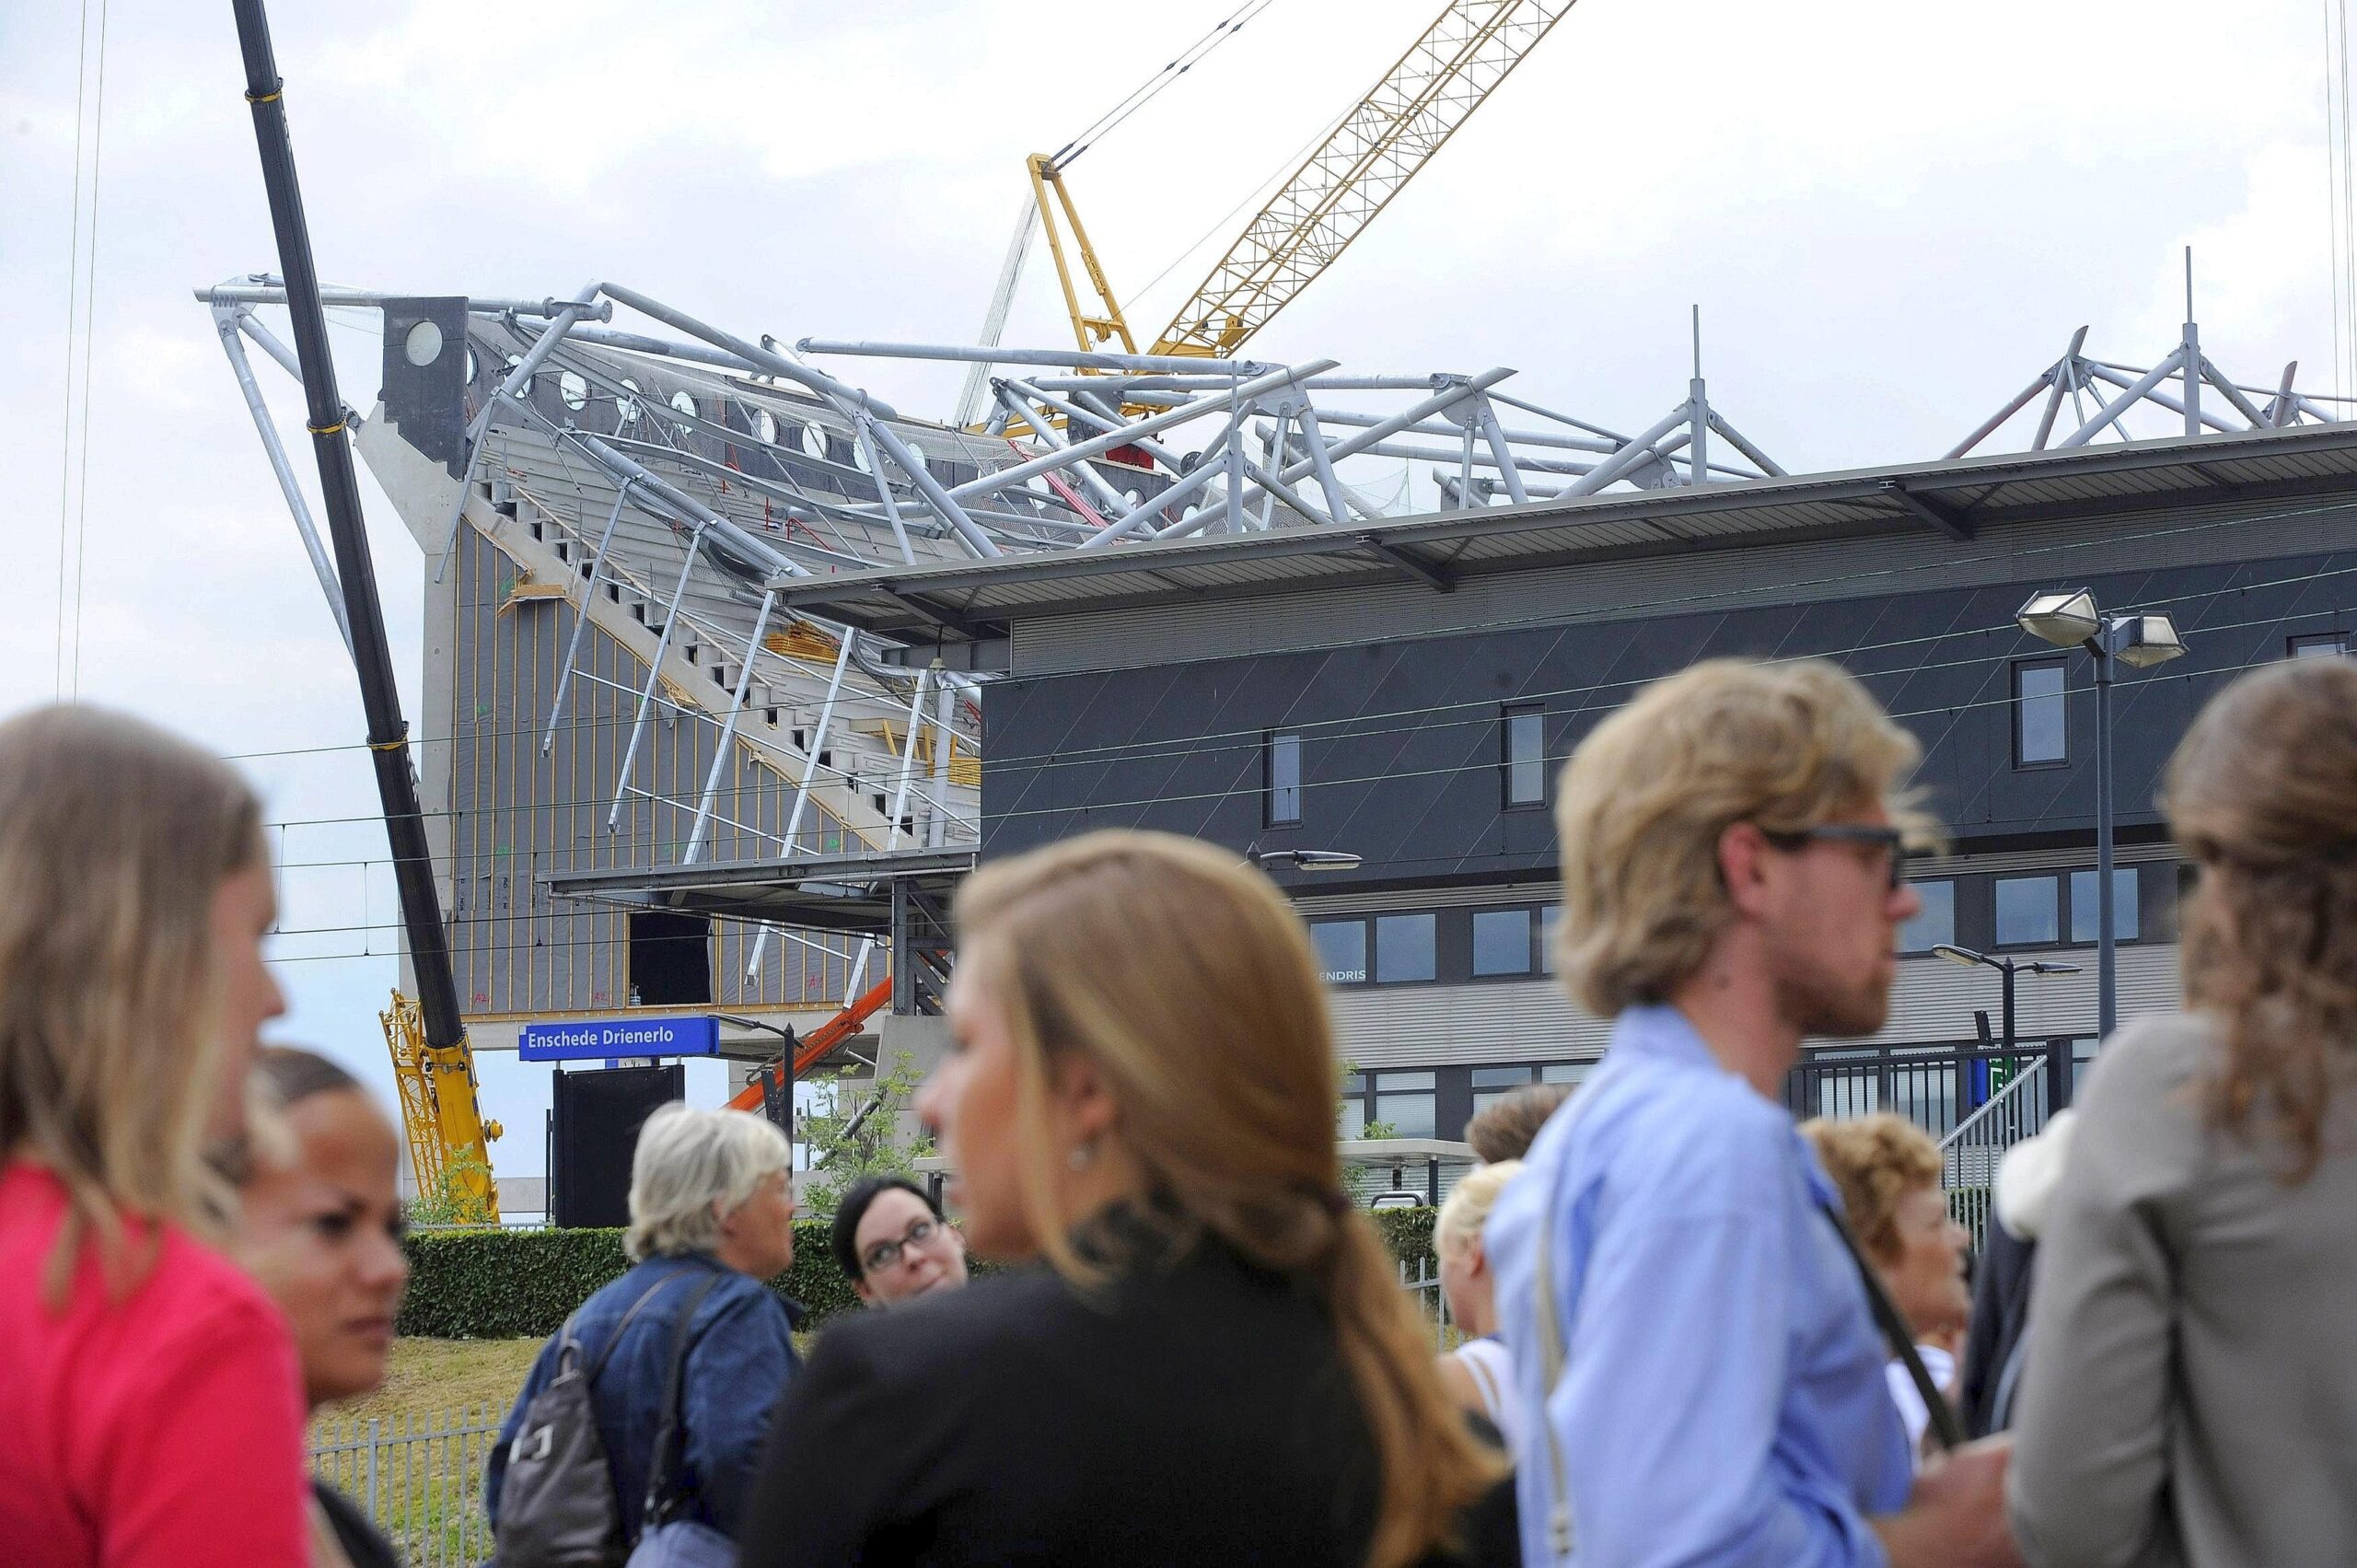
[{"x": 711, "y": 1218}]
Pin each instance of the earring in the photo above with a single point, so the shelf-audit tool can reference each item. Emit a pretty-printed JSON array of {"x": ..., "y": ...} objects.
[{"x": 1081, "y": 1154}]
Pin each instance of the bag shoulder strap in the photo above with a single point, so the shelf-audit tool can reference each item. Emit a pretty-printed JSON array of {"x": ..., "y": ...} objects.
[
  {"x": 1946, "y": 1428},
  {"x": 663, "y": 1463},
  {"x": 614, "y": 1338}
]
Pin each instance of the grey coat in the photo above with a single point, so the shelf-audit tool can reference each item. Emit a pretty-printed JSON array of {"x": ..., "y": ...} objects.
[{"x": 2190, "y": 1394}]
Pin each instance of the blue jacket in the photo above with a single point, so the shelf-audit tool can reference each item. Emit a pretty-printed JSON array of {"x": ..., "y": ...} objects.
[{"x": 739, "y": 1361}]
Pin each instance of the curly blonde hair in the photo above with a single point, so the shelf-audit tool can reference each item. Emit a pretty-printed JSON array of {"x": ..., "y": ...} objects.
[
  {"x": 1646, "y": 798},
  {"x": 2262, "y": 794},
  {"x": 1876, "y": 1161}
]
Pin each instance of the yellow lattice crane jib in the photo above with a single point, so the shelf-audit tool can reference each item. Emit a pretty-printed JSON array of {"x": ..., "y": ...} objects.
[
  {"x": 1353, "y": 174},
  {"x": 448, "y": 1139}
]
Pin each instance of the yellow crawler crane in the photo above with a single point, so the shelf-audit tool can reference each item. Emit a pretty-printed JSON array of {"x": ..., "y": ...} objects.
[
  {"x": 1350, "y": 176},
  {"x": 440, "y": 1117}
]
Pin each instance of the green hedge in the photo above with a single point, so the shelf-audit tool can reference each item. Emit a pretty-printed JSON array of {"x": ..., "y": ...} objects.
[{"x": 486, "y": 1284}]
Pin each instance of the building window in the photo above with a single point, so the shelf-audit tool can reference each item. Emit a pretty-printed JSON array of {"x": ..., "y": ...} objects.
[
  {"x": 1406, "y": 948},
  {"x": 2027, "y": 912},
  {"x": 670, "y": 959},
  {"x": 1566, "y": 1072},
  {"x": 1492, "y": 1084},
  {"x": 1404, "y": 1102},
  {"x": 1548, "y": 918},
  {"x": 1525, "y": 756},
  {"x": 2323, "y": 644},
  {"x": 2041, "y": 734},
  {"x": 1502, "y": 941},
  {"x": 1284, "y": 779},
  {"x": 1350, "y": 1117},
  {"x": 2086, "y": 918},
  {"x": 1342, "y": 950},
  {"x": 1935, "y": 925}
]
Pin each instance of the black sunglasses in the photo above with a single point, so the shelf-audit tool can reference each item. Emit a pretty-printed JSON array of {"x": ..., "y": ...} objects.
[{"x": 1893, "y": 840}]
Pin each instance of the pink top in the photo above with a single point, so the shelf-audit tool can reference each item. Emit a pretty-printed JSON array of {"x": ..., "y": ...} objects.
[{"x": 164, "y": 1430}]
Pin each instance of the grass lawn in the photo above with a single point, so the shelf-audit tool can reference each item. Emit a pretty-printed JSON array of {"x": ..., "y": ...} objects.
[{"x": 429, "y": 1376}]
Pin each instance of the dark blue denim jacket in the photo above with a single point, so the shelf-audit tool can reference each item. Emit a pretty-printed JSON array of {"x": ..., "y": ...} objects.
[{"x": 740, "y": 1360}]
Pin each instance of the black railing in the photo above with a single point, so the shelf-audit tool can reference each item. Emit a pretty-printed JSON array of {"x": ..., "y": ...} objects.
[{"x": 1934, "y": 1087}]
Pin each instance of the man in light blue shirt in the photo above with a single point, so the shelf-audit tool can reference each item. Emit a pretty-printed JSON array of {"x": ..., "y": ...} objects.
[{"x": 1673, "y": 1290}]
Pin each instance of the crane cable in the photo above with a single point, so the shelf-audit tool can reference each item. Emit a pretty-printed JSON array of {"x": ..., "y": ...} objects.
[{"x": 1184, "y": 61}]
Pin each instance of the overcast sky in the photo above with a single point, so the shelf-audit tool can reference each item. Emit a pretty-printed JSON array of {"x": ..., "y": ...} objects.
[{"x": 1891, "y": 215}]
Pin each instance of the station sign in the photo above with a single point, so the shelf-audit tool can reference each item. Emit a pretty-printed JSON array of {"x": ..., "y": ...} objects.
[{"x": 609, "y": 1037}]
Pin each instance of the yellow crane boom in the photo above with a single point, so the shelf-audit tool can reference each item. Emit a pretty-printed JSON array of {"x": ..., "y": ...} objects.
[{"x": 1379, "y": 145}]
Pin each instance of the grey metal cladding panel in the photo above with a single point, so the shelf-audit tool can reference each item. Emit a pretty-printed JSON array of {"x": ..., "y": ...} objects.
[
  {"x": 1893, "y": 561},
  {"x": 1400, "y": 760},
  {"x": 1932, "y": 1002}
]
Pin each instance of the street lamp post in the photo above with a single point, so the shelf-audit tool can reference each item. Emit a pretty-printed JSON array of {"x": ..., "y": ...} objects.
[
  {"x": 2007, "y": 967},
  {"x": 791, "y": 1041},
  {"x": 2069, "y": 619}
]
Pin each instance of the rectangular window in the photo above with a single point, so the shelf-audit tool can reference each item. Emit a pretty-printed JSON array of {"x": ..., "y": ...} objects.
[
  {"x": 2040, "y": 733},
  {"x": 1548, "y": 918},
  {"x": 2324, "y": 644},
  {"x": 1566, "y": 1072},
  {"x": 2026, "y": 910},
  {"x": 1350, "y": 1116},
  {"x": 2085, "y": 918},
  {"x": 1936, "y": 923},
  {"x": 1405, "y": 947},
  {"x": 1342, "y": 950},
  {"x": 1492, "y": 1084},
  {"x": 1525, "y": 756},
  {"x": 1502, "y": 941},
  {"x": 1404, "y": 1102},
  {"x": 1283, "y": 790}
]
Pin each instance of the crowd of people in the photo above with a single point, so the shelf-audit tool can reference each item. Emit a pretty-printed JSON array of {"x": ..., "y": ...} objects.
[{"x": 1692, "y": 1331}]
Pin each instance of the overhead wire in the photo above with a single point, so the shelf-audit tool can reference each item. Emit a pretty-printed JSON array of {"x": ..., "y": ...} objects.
[
  {"x": 1745, "y": 597},
  {"x": 1155, "y": 86},
  {"x": 1955, "y": 712},
  {"x": 89, "y": 333},
  {"x": 79, "y": 281},
  {"x": 1488, "y": 706}
]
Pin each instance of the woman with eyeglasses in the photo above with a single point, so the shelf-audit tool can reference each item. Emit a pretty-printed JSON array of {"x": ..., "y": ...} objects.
[
  {"x": 1212, "y": 1361},
  {"x": 891, "y": 1242}
]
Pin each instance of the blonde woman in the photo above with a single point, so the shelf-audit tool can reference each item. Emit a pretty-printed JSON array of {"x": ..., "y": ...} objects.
[
  {"x": 1216, "y": 1362},
  {"x": 1478, "y": 1373},
  {"x": 149, "y": 1409},
  {"x": 2190, "y": 1387}
]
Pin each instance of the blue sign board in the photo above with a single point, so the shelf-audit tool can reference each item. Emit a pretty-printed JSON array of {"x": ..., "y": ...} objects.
[{"x": 606, "y": 1038}]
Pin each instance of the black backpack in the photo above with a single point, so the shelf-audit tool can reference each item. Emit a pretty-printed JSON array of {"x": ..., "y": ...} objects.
[{"x": 556, "y": 1503}]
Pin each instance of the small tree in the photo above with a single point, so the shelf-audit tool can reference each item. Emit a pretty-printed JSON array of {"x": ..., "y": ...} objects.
[
  {"x": 458, "y": 1195},
  {"x": 864, "y": 1140}
]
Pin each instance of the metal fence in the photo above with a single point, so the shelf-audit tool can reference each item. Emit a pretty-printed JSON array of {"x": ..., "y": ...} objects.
[
  {"x": 1423, "y": 1285},
  {"x": 419, "y": 1476},
  {"x": 1975, "y": 1101}
]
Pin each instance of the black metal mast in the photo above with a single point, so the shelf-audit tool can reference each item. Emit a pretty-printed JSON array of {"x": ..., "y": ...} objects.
[{"x": 429, "y": 945}]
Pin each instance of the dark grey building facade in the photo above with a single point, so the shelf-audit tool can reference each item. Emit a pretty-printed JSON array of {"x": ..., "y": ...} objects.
[{"x": 1405, "y": 695}]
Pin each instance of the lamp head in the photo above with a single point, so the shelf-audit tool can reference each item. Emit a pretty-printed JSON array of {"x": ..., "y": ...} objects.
[
  {"x": 2043, "y": 967},
  {"x": 1311, "y": 859},
  {"x": 1955, "y": 954},
  {"x": 2147, "y": 640},
  {"x": 2064, "y": 617}
]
